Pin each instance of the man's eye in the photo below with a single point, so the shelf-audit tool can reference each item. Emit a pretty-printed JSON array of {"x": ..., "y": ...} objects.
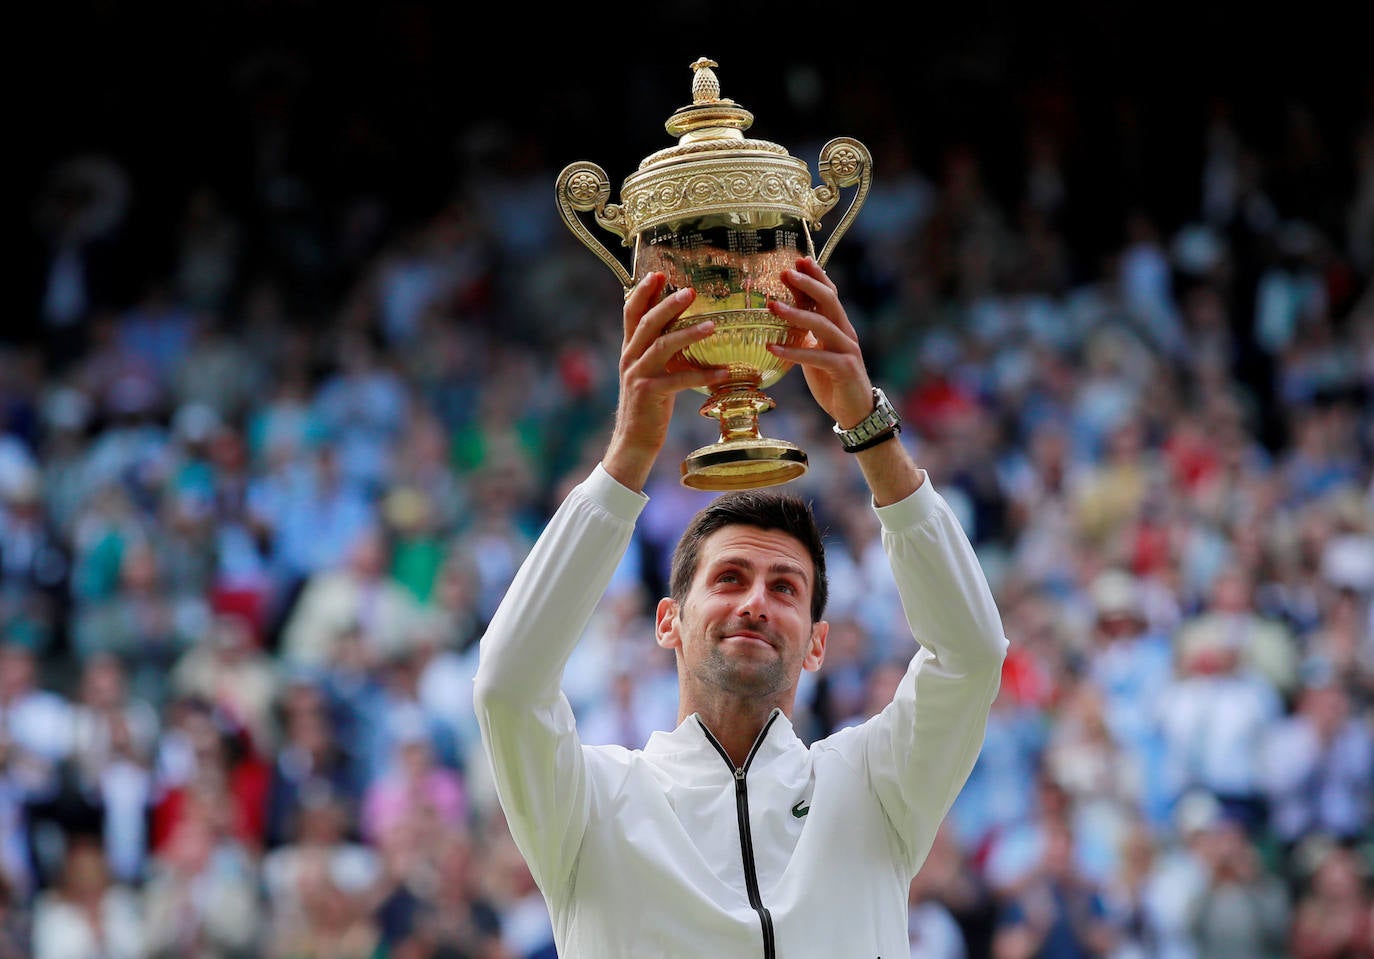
[
  {"x": 728, "y": 578},
  {"x": 785, "y": 587}
]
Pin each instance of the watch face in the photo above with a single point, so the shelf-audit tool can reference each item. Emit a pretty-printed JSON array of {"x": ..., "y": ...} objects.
[{"x": 884, "y": 413}]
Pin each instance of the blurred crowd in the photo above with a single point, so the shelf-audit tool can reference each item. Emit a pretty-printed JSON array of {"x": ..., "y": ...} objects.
[{"x": 259, "y": 500}]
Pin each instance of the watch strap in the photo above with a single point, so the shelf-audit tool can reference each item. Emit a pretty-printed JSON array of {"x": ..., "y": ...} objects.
[{"x": 877, "y": 427}]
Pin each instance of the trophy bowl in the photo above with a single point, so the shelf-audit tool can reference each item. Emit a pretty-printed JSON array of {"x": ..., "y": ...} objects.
[{"x": 725, "y": 216}]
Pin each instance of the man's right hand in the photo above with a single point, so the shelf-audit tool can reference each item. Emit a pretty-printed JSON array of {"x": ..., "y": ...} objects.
[{"x": 647, "y": 388}]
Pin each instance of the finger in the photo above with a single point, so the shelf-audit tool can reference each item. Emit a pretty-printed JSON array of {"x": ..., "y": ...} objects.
[
  {"x": 822, "y": 294},
  {"x": 652, "y": 324},
  {"x": 694, "y": 377},
  {"x": 808, "y": 266},
  {"x": 665, "y": 346},
  {"x": 829, "y": 335},
  {"x": 641, "y": 297},
  {"x": 844, "y": 366},
  {"x": 810, "y": 282}
]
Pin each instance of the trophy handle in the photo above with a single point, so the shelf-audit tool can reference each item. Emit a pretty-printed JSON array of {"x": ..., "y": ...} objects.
[
  {"x": 844, "y": 162},
  {"x": 584, "y": 186}
]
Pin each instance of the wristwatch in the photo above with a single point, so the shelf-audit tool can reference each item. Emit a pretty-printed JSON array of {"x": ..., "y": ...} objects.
[{"x": 877, "y": 427}]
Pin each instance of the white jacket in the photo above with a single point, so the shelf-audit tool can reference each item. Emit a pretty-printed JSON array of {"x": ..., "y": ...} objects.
[{"x": 671, "y": 851}]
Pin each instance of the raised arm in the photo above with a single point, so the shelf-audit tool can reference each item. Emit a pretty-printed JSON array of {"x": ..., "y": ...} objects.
[
  {"x": 833, "y": 364},
  {"x": 918, "y": 753},
  {"x": 526, "y": 722},
  {"x": 647, "y": 389}
]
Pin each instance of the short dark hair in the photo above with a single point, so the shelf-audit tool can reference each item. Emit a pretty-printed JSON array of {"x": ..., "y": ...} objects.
[{"x": 764, "y": 510}]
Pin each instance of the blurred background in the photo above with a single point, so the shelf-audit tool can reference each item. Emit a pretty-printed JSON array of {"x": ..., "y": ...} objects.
[{"x": 302, "y": 358}]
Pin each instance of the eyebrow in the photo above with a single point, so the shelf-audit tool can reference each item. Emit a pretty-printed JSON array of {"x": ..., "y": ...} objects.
[{"x": 744, "y": 562}]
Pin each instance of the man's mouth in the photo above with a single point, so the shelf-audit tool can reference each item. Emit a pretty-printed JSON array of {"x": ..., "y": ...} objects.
[{"x": 739, "y": 634}]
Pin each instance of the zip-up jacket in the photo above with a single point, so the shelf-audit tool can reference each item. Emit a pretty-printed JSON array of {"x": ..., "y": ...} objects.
[{"x": 802, "y": 852}]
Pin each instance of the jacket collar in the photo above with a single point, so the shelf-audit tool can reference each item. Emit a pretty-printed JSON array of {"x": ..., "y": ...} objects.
[{"x": 692, "y": 744}]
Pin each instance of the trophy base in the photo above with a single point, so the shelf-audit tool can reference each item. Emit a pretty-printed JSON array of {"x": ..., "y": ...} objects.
[{"x": 743, "y": 464}]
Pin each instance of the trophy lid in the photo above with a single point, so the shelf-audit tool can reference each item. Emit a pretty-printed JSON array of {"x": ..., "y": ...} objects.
[
  {"x": 710, "y": 122},
  {"x": 709, "y": 116},
  {"x": 714, "y": 168}
]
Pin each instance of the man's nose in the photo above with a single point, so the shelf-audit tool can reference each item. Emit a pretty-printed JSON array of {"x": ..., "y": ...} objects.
[{"x": 754, "y": 603}]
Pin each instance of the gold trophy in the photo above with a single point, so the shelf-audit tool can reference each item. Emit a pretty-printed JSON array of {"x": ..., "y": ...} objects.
[{"x": 724, "y": 215}]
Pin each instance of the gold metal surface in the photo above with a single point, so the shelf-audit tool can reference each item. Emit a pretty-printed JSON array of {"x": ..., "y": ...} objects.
[{"x": 725, "y": 215}]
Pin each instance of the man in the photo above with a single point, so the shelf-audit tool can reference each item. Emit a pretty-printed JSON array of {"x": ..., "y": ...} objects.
[{"x": 729, "y": 837}]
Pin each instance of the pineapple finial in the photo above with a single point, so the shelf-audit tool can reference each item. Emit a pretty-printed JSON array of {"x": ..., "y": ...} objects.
[{"x": 705, "y": 86}]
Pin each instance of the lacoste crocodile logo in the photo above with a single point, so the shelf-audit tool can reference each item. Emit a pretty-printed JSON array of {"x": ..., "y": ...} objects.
[{"x": 801, "y": 808}]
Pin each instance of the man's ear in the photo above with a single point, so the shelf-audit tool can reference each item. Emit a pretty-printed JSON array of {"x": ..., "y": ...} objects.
[
  {"x": 665, "y": 624},
  {"x": 815, "y": 655}
]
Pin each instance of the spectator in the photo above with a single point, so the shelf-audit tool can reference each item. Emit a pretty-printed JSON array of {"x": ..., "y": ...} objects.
[
  {"x": 1216, "y": 716},
  {"x": 331, "y": 923},
  {"x": 417, "y": 547},
  {"x": 1319, "y": 768},
  {"x": 443, "y": 691},
  {"x": 423, "y": 469},
  {"x": 994, "y": 800},
  {"x": 360, "y": 592},
  {"x": 322, "y": 834},
  {"x": 1126, "y": 895},
  {"x": 1178, "y": 875},
  {"x": 1038, "y": 480},
  {"x": 1265, "y": 646},
  {"x": 397, "y": 712},
  {"x": 35, "y": 565},
  {"x": 526, "y": 928},
  {"x": 1113, "y": 490},
  {"x": 87, "y": 913},
  {"x": 1105, "y": 785},
  {"x": 630, "y": 710},
  {"x": 841, "y": 684},
  {"x": 1334, "y": 912},
  {"x": 1013, "y": 856},
  {"x": 143, "y": 622},
  {"x": 312, "y": 516},
  {"x": 363, "y": 404},
  {"x": 1130, "y": 665},
  {"x": 448, "y": 917},
  {"x": 1055, "y": 912},
  {"x": 241, "y": 537},
  {"x": 352, "y": 684},
  {"x": 67, "y": 419},
  {"x": 35, "y": 740},
  {"x": 413, "y": 786},
  {"x": 115, "y": 738},
  {"x": 226, "y": 668},
  {"x": 933, "y": 930},
  {"x": 862, "y": 581},
  {"x": 202, "y": 900},
  {"x": 38, "y": 720},
  {"x": 1243, "y": 909},
  {"x": 208, "y": 768},
  {"x": 950, "y": 883},
  {"x": 495, "y": 540},
  {"x": 308, "y": 761}
]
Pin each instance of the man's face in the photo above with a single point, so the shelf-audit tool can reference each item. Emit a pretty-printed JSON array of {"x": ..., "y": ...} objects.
[{"x": 745, "y": 626}]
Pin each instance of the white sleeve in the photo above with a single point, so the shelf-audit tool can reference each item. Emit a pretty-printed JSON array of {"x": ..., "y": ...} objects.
[
  {"x": 526, "y": 722},
  {"x": 919, "y": 751}
]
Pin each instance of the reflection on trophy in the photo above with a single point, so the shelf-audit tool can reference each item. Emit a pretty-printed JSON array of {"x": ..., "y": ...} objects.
[{"x": 724, "y": 215}]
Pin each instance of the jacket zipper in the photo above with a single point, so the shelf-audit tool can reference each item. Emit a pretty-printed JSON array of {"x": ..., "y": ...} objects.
[{"x": 746, "y": 841}]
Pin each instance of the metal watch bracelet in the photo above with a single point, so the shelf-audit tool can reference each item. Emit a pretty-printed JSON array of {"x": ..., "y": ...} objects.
[{"x": 877, "y": 427}]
